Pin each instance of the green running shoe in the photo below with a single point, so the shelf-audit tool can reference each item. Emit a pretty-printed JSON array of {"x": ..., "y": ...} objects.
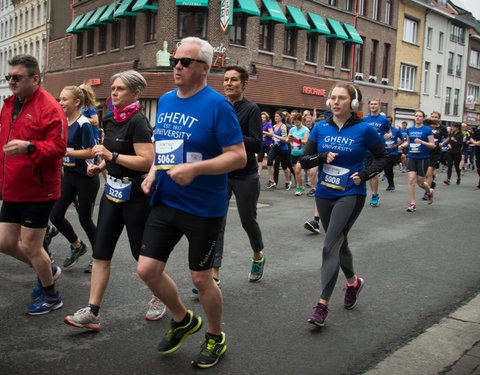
[
  {"x": 176, "y": 335},
  {"x": 211, "y": 352}
]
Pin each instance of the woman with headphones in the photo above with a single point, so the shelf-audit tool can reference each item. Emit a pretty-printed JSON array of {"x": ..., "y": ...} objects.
[{"x": 338, "y": 145}]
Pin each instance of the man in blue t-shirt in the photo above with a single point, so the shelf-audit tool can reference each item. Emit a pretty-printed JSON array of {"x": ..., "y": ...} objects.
[
  {"x": 198, "y": 140},
  {"x": 382, "y": 126}
]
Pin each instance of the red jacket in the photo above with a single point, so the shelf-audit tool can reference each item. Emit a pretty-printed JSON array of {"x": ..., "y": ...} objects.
[{"x": 33, "y": 177}]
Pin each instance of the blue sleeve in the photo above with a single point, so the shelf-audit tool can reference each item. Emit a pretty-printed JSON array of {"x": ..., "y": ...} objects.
[
  {"x": 314, "y": 134},
  {"x": 87, "y": 135},
  {"x": 227, "y": 128}
]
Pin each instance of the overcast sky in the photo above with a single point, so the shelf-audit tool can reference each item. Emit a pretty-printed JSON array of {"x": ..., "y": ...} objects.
[{"x": 470, "y": 5}]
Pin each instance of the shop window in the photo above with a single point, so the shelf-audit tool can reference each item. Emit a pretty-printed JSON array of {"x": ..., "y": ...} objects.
[
  {"x": 237, "y": 30},
  {"x": 330, "y": 52},
  {"x": 79, "y": 44},
  {"x": 311, "y": 50},
  {"x": 102, "y": 38},
  {"x": 192, "y": 21},
  {"x": 116, "y": 35},
  {"x": 266, "y": 36},
  {"x": 130, "y": 35},
  {"x": 90, "y": 41},
  {"x": 290, "y": 44},
  {"x": 346, "y": 55},
  {"x": 150, "y": 26}
]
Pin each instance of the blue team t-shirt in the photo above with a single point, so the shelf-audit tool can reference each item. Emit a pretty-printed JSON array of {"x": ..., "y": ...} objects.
[
  {"x": 380, "y": 124},
  {"x": 189, "y": 130},
  {"x": 351, "y": 143},
  {"x": 89, "y": 112},
  {"x": 80, "y": 137},
  {"x": 417, "y": 150},
  {"x": 297, "y": 147},
  {"x": 392, "y": 141}
]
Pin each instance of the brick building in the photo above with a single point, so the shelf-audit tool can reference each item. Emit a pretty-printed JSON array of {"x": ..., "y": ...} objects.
[{"x": 295, "y": 50}]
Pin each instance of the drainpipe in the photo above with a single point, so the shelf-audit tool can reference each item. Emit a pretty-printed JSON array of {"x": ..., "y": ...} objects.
[
  {"x": 47, "y": 36},
  {"x": 353, "y": 44}
]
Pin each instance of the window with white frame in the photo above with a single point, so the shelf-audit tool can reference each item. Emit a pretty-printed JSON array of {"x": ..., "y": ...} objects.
[
  {"x": 475, "y": 59},
  {"x": 448, "y": 99},
  {"x": 410, "y": 30},
  {"x": 456, "y": 96},
  {"x": 457, "y": 34},
  {"x": 429, "y": 37},
  {"x": 473, "y": 91},
  {"x": 451, "y": 57},
  {"x": 458, "y": 70},
  {"x": 438, "y": 80},
  {"x": 375, "y": 9},
  {"x": 441, "y": 36},
  {"x": 388, "y": 12},
  {"x": 361, "y": 7},
  {"x": 426, "y": 78},
  {"x": 407, "y": 77}
]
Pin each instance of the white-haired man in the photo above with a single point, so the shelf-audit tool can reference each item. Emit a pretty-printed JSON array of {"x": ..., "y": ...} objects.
[{"x": 198, "y": 140}]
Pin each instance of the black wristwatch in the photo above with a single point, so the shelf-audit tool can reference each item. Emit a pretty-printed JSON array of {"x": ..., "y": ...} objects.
[
  {"x": 114, "y": 157},
  {"x": 31, "y": 147}
]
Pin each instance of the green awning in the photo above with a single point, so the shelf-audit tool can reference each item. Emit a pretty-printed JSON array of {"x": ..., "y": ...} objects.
[
  {"x": 274, "y": 11},
  {"x": 299, "y": 19},
  {"x": 354, "y": 35},
  {"x": 319, "y": 25},
  {"x": 248, "y": 7},
  {"x": 192, "y": 3},
  {"x": 338, "y": 31},
  {"x": 107, "y": 16},
  {"x": 122, "y": 10},
  {"x": 71, "y": 28},
  {"x": 143, "y": 6},
  {"x": 94, "y": 21},
  {"x": 82, "y": 25}
]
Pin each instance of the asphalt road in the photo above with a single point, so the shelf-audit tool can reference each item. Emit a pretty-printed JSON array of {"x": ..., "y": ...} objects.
[{"x": 418, "y": 267}]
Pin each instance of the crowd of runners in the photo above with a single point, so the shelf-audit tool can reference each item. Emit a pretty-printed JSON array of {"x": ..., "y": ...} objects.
[{"x": 176, "y": 179}]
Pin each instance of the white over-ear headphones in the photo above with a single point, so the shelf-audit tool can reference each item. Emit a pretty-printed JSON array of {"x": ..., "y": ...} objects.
[{"x": 354, "y": 105}]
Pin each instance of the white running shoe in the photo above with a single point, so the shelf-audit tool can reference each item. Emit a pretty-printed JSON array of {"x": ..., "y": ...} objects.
[{"x": 156, "y": 309}]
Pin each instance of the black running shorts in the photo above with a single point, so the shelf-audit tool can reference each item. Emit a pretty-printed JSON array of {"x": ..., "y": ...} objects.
[
  {"x": 27, "y": 214},
  {"x": 166, "y": 226}
]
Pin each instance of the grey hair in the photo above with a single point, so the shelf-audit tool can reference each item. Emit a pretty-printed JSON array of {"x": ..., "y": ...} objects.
[
  {"x": 206, "y": 50},
  {"x": 132, "y": 79}
]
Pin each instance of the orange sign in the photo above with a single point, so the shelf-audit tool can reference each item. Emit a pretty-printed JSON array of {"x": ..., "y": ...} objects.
[
  {"x": 94, "y": 81},
  {"x": 313, "y": 91}
]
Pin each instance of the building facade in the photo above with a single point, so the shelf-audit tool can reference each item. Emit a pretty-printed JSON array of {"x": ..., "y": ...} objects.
[
  {"x": 295, "y": 50},
  {"x": 409, "y": 59},
  {"x": 6, "y": 45}
]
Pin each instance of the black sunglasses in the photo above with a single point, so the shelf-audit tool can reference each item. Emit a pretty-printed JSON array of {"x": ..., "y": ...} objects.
[
  {"x": 185, "y": 61},
  {"x": 16, "y": 77}
]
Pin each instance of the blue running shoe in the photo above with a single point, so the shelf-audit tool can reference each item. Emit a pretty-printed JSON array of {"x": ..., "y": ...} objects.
[
  {"x": 256, "y": 272},
  {"x": 195, "y": 290},
  {"x": 44, "y": 304},
  {"x": 375, "y": 199},
  {"x": 37, "y": 291}
]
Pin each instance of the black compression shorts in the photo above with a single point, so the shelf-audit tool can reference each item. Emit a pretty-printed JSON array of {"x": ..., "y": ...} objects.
[
  {"x": 27, "y": 214},
  {"x": 167, "y": 225}
]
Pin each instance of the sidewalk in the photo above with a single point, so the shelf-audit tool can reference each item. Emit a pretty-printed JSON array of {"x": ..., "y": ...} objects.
[{"x": 451, "y": 347}]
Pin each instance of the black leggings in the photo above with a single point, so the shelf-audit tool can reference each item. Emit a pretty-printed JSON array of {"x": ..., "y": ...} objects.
[
  {"x": 392, "y": 160},
  {"x": 337, "y": 216},
  {"x": 86, "y": 188},
  {"x": 280, "y": 156},
  {"x": 453, "y": 159},
  {"x": 112, "y": 217}
]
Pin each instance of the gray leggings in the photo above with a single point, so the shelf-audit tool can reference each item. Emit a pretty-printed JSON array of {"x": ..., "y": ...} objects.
[
  {"x": 337, "y": 216},
  {"x": 247, "y": 191}
]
